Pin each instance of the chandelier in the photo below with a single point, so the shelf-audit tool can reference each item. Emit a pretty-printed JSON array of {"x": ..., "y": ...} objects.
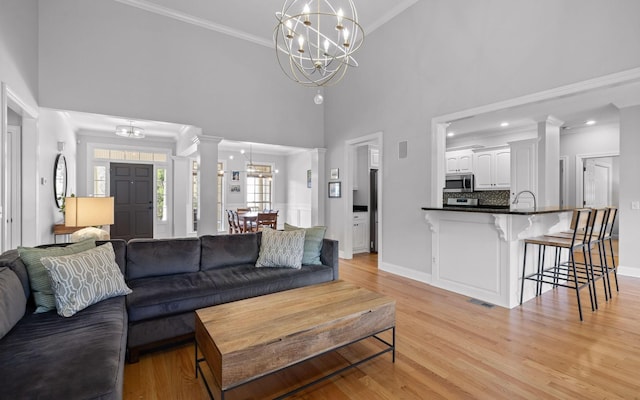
[
  {"x": 130, "y": 131},
  {"x": 315, "y": 40}
]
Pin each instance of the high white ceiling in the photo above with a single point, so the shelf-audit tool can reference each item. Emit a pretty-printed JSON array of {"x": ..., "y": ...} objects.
[{"x": 254, "y": 20}]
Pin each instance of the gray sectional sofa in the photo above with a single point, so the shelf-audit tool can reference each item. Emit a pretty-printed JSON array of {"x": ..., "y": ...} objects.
[{"x": 46, "y": 356}]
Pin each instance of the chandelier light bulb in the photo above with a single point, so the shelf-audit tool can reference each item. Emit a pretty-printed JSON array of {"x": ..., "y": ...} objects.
[
  {"x": 301, "y": 44},
  {"x": 326, "y": 47},
  {"x": 340, "y": 16},
  {"x": 345, "y": 33},
  {"x": 318, "y": 98},
  {"x": 289, "y": 30},
  {"x": 306, "y": 10}
]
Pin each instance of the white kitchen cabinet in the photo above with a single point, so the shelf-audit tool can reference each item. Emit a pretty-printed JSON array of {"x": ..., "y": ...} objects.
[
  {"x": 492, "y": 169},
  {"x": 459, "y": 161},
  {"x": 524, "y": 174},
  {"x": 360, "y": 232}
]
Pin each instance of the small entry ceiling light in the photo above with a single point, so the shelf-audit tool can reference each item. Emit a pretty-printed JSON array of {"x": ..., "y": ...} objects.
[
  {"x": 504, "y": 124},
  {"x": 130, "y": 131},
  {"x": 450, "y": 134},
  {"x": 590, "y": 122}
]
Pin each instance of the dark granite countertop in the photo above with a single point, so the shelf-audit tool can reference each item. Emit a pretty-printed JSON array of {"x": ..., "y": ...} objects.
[{"x": 501, "y": 209}]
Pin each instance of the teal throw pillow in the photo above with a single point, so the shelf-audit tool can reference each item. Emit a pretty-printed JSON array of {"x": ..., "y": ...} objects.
[
  {"x": 38, "y": 276},
  {"x": 312, "y": 243}
]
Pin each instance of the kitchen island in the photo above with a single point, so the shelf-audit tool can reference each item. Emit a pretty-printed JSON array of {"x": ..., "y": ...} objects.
[{"x": 478, "y": 251}]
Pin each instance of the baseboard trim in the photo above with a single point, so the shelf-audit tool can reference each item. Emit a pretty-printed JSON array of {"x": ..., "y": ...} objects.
[
  {"x": 629, "y": 271},
  {"x": 406, "y": 272}
]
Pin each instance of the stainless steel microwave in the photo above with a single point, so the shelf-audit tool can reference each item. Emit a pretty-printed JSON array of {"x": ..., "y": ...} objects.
[{"x": 459, "y": 183}]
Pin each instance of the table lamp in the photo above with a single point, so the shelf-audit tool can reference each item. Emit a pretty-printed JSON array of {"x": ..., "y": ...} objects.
[{"x": 89, "y": 212}]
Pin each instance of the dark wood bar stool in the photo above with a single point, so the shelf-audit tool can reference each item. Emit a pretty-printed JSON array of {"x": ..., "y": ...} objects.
[
  {"x": 566, "y": 273},
  {"x": 593, "y": 237}
]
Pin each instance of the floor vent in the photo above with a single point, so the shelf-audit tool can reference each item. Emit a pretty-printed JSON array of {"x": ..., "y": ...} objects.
[{"x": 481, "y": 303}]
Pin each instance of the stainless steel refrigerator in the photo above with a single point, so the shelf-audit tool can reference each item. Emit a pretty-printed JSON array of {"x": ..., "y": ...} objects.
[{"x": 373, "y": 210}]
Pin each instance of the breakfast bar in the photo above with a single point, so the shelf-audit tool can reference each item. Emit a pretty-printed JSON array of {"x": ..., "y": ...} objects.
[{"x": 478, "y": 251}]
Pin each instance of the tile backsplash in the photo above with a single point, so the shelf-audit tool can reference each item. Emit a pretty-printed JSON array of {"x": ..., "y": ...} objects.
[{"x": 485, "y": 197}]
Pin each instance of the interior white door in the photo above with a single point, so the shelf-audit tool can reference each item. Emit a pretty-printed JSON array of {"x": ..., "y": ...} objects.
[
  {"x": 596, "y": 183},
  {"x": 12, "y": 189}
]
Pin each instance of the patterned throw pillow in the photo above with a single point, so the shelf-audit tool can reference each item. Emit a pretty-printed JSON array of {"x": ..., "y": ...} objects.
[
  {"x": 82, "y": 279},
  {"x": 38, "y": 277},
  {"x": 312, "y": 243},
  {"x": 281, "y": 249}
]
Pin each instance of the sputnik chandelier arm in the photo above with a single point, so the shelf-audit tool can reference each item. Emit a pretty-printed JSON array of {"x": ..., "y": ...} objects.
[{"x": 315, "y": 40}]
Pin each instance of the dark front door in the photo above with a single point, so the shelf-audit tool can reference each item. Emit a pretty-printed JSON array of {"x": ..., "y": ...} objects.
[{"x": 132, "y": 189}]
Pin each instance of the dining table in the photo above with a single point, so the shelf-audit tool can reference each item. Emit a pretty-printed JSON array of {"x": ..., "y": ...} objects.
[{"x": 247, "y": 219}]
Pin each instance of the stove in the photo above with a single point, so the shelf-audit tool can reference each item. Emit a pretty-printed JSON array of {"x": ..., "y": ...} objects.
[{"x": 462, "y": 201}]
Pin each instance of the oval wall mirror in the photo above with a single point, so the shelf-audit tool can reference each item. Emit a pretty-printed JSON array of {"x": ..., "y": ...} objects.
[{"x": 60, "y": 180}]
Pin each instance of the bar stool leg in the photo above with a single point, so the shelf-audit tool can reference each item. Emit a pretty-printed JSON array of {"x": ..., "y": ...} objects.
[
  {"x": 524, "y": 266},
  {"x": 575, "y": 280}
]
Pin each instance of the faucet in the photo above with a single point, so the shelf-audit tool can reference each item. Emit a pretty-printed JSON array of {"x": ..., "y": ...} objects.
[{"x": 515, "y": 201}]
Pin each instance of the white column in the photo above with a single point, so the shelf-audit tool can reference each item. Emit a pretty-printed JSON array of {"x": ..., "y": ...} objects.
[
  {"x": 549, "y": 162},
  {"x": 181, "y": 196},
  {"x": 318, "y": 186},
  {"x": 628, "y": 216},
  {"x": 208, "y": 148}
]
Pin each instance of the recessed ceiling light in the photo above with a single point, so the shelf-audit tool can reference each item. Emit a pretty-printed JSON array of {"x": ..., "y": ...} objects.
[
  {"x": 451, "y": 134},
  {"x": 504, "y": 124},
  {"x": 590, "y": 122}
]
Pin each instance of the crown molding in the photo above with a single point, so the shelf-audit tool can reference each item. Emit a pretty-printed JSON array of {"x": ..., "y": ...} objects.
[
  {"x": 392, "y": 13},
  {"x": 193, "y": 20}
]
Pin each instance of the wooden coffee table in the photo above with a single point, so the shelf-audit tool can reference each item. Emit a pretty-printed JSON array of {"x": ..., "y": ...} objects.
[{"x": 248, "y": 339}]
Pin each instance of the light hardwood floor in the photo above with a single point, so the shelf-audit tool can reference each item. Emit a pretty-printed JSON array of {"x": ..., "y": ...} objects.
[{"x": 450, "y": 348}]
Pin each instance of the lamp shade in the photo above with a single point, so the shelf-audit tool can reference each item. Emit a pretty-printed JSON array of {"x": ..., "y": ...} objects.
[{"x": 88, "y": 211}]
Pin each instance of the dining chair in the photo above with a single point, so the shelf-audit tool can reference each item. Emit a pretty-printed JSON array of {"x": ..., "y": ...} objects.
[
  {"x": 267, "y": 219},
  {"x": 237, "y": 228},
  {"x": 230, "y": 221}
]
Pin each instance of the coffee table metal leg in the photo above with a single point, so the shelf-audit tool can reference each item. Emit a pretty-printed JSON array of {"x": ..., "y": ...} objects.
[{"x": 391, "y": 347}]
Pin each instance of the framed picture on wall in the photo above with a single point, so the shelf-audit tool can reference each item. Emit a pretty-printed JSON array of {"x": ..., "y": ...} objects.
[
  {"x": 234, "y": 188},
  {"x": 309, "y": 178},
  {"x": 235, "y": 175},
  {"x": 335, "y": 190},
  {"x": 335, "y": 173}
]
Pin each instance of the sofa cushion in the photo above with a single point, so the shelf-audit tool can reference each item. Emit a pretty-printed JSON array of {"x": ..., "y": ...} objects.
[
  {"x": 281, "y": 249},
  {"x": 47, "y": 356},
  {"x": 174, "y": 294},
  {"x": 312, "y": 243},
  {"x": 158, "y": 257},
  {"x": 223, "y": 250},
  {"x": 38, "y": 276},
  {"x": 13, "y": 303},
  {"x": 82, "y": 279}
]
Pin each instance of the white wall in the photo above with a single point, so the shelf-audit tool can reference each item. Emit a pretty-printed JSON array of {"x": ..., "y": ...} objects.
[
  {"x": 593, "y": 140},
  {"x": 53, "y": 127},
  {"x": 19, "y": 48},
  {"x": 442, "y": 56},
  {"x": 629, "y": 190},
  {"x": 105, "y": 57}
]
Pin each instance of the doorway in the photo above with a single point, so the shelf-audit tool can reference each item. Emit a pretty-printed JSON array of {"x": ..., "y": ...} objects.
[
  {"x": 12, "y": 199},
  {"x": 132, "y": 188},
  {"x": 350, "y": 183}
]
